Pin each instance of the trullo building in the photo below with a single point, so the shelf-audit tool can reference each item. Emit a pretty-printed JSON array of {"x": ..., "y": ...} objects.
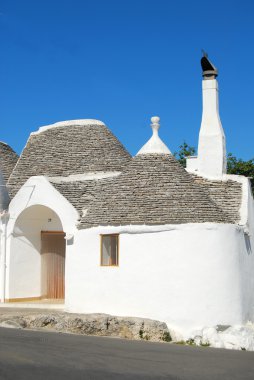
[{"x": 83, "y": 221}]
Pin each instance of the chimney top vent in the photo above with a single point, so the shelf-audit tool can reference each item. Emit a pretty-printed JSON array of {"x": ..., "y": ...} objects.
[{"x": 209, "y": 70}]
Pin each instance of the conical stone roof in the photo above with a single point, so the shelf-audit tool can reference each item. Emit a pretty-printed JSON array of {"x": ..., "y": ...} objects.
[
  {"x": 8, "y": 159},
  {"x": 154, "y": 189},
  {"x": 69, "y": 148}
]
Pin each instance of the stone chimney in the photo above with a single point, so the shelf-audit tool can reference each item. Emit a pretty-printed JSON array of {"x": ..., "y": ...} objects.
[{"x": 211, "y": 146}]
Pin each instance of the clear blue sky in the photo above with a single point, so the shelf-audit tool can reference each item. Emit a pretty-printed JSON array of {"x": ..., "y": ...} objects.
[{"x": 123, "y": 61}]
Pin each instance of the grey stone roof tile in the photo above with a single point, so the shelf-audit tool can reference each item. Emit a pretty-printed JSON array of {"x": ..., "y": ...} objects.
[
  {"x": 154, "y": 189},
  {"x": 67, "y": 150},
  {"x": 8, "y": 159},
  {"x": 226, "y": 194},
  {"x": 79, "y": 193}
]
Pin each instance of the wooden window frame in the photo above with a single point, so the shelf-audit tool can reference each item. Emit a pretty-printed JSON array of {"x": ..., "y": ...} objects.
[{"x": 101, "y": 249}]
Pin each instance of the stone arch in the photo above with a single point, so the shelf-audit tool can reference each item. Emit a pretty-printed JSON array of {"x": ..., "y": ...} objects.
[{"x": 25, "y": 264}]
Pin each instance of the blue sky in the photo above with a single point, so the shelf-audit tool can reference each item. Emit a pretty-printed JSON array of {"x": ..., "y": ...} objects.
[{"x": 122, "y": 62}]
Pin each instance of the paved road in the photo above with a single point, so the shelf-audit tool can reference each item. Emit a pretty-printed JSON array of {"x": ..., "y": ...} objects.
[{"x": 26, "y": 355}]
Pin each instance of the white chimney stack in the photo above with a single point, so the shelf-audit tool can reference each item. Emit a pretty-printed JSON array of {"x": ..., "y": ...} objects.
[{"x": 211, "y": 146}]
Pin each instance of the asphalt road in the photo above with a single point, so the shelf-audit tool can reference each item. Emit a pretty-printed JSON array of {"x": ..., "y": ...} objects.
[{"x": 46, "y": 355}]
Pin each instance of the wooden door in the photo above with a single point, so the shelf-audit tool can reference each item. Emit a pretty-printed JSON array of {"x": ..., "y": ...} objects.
[{"x": 53, "y": 264}]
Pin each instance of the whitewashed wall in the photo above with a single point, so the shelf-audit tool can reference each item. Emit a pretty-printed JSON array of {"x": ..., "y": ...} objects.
[
  {"x": 246, "y": 262},
  {"x": 2, "y": 256},
  {"x": 38, "y": 191},
  {"x": 25, "y": 258},
  {"x": 35, "y": 203},
  {"x": 188, "y": 276}
]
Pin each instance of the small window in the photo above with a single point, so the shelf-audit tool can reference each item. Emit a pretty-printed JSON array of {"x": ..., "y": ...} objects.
[{"x": 109, "y": 250}]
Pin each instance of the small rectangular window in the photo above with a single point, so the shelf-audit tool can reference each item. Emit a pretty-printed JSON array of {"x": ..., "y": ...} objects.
[{"x": 109, "y": 250}]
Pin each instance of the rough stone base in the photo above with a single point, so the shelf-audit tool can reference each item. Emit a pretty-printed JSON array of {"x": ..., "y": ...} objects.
[
  {"x": 229, "y": 337},
  {"x": 89, "y": 324}
]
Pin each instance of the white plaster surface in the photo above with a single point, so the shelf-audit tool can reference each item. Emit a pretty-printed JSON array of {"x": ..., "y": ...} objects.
[
  {"x": 234, "y": 337},
  {"x": 4, "y": 203},
  {"x": 192, "y": 280},
  {"x": 4, "y": 217},
  {"x": 38, "y": 191},
  {"x": 25, "y": 243},
  {"x": 67, "y": 123},
  {"x": 201, "y": 275},
  {"x": 30, "y": 211},
  {"x": 192, "y": 164},
  {"x": 211, "y": 146}
]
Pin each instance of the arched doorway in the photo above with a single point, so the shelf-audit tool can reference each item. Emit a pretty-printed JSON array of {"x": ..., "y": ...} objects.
[{"x": 37, "y": 256}]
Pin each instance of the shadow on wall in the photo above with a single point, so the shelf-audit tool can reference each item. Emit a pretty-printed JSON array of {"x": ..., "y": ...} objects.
[{"x": 247, "y": 243}]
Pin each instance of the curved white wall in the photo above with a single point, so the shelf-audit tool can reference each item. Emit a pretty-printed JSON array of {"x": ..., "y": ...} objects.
[
  {"x": 247, "y": 264},
  {"x": 38, "y": 191},
  {"x": 188, "y": 276},
  {"x": 24, "y": 264},
  {"x": 22, "y": 254}
]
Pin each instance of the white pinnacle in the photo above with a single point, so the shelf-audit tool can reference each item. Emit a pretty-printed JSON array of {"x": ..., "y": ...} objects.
[{"x": 155, "y": 144}]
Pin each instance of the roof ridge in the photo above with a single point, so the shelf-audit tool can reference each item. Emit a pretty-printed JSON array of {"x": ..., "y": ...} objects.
[{"x": 68, "y": 123}]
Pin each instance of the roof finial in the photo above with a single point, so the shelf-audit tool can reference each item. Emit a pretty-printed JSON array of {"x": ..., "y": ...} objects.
[
  {"x": 155, "y": 144},
  {"x": 155, "y": 124}
]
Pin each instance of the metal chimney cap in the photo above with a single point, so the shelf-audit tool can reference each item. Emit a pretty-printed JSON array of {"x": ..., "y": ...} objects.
[{"x": 209, "y": 70}]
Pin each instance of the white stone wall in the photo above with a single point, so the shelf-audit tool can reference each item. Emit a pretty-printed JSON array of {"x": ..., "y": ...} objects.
[
  {"x": 24, "y": 262},
  {"x": 30, "y": 210},
  {"x": 2, "y": 257},
  {"x": 38, "y": 191},
  {"x": 188, "y": 276},
  {"x": 247, "y": 265}
]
